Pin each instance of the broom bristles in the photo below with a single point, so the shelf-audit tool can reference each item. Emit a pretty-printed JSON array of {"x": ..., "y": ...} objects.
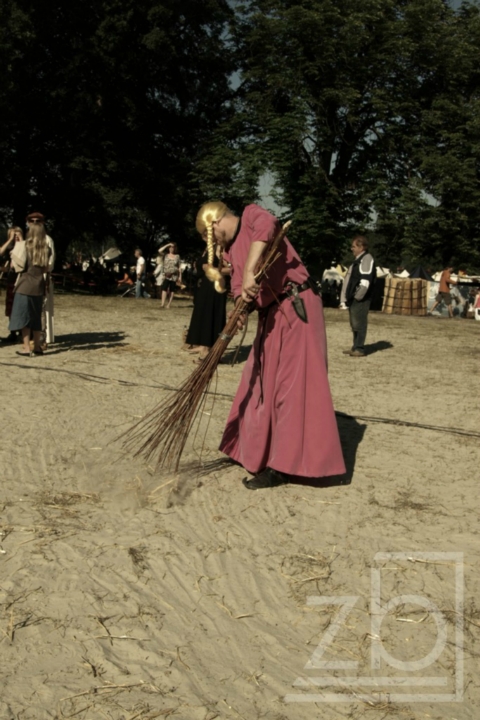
[{"x": 164, "y": 430}]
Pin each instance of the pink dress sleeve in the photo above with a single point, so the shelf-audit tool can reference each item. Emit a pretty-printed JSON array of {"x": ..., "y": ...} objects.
[{"x": 258, "y": 225}]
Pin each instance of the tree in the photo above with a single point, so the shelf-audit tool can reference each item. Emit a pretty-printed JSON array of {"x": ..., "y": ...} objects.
[
  {"x": 109, "y": 104},
  {"x": 358, "y": 107}
]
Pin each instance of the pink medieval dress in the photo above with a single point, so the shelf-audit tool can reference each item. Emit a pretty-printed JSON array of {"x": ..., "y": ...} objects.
[{"x": 282, "y": 415}]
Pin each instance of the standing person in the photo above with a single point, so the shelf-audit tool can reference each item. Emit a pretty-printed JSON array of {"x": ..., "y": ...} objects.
[
  {"x": 33, "y": 219},
  {"x": 159, "y": 275},
  {"x": 15, "y": 234},
  {"x": 282, "y": 422},
  {"x": 444, "y": 294},
  {"x": 30, "y": 290},
  {"x": 141, "y": 274},
  {"x": 173, "y": 273},
  {"x": 357, "y": 293},
  {"x": 209, "y": 309}
]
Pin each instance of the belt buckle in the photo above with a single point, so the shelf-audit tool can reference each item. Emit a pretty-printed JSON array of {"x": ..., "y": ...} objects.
[{"x": 291, "y": 289}]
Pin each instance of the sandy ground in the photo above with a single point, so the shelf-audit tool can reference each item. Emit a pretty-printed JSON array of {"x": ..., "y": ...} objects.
[{"x": 130, "y": 594}]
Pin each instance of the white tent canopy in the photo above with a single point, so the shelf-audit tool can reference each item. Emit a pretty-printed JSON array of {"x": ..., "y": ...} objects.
[{"x": 111, "y": 254}]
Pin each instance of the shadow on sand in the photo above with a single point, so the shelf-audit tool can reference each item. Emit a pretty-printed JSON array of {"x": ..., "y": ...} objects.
[
  {"x": 231, "y": 355},
  {"x": 378, "y": 347},
  {"x": 351, "y": 435},
  {"x": 87, "y": 341}
]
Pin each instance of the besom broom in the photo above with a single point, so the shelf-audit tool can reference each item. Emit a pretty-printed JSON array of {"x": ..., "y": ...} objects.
[{"x": 163, "y": 432}]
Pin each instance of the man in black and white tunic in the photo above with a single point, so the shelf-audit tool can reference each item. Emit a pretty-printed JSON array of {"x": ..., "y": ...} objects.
[{"x": 357, "y": 293}]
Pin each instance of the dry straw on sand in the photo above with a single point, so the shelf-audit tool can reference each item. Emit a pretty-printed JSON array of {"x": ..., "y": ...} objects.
[{"x": 163, "y": 432}]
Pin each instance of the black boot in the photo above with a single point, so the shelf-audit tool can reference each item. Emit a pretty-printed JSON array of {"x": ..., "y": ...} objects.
[{"x": 265, "y": 479}]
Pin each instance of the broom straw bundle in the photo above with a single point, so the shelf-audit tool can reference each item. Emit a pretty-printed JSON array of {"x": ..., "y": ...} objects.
[{"x": 163, "y": 432}]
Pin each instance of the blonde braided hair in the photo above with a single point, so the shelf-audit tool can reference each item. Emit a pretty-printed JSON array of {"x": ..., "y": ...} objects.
[
  {"x": 208, "y": 214},
  {"x": 36, "y": 245}
]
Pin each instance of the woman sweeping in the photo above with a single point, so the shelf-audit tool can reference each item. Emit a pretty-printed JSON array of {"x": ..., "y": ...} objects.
[{"x": 30, "y": 290}]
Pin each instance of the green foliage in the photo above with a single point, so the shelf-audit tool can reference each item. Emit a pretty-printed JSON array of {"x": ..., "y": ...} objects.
[
  {"x": 368, "y": 118},
  {"x": 118, "y": 119},
  {"x": 105, "y": 112}
]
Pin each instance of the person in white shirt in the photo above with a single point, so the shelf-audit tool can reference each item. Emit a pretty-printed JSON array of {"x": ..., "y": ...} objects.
[
  {"x": 357, "y": 293},
  {"x": 141, "y": 271}
]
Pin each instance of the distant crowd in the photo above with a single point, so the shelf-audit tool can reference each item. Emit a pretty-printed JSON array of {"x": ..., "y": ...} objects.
[
  {"x": 160, "y": 278},
  {"x": 28, "y": 277}
]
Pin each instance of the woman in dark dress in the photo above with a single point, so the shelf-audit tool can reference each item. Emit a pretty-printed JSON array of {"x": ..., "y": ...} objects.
[{"x": 209, "y": 310}]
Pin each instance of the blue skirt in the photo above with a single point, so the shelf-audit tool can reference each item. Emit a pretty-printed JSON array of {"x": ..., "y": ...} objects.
[{"x": 26, "y": 312}]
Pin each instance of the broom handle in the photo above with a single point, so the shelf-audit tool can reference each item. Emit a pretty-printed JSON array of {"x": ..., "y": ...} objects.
[{"x": 273, "y": 253}]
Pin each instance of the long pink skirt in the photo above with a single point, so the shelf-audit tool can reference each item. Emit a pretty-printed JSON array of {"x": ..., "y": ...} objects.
[{"x": 282, "y": 416}]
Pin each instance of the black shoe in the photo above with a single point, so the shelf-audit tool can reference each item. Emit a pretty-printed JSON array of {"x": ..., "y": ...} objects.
[
  {"x": 266, "y": 479},
  {"x": 12, "y": 338}
]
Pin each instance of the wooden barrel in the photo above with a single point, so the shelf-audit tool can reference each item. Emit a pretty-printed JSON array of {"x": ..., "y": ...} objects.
[
  {"x": 419, "y": 297},
  {"x": 405, "y": 297},
  {"x": 388, "y": 296}
]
